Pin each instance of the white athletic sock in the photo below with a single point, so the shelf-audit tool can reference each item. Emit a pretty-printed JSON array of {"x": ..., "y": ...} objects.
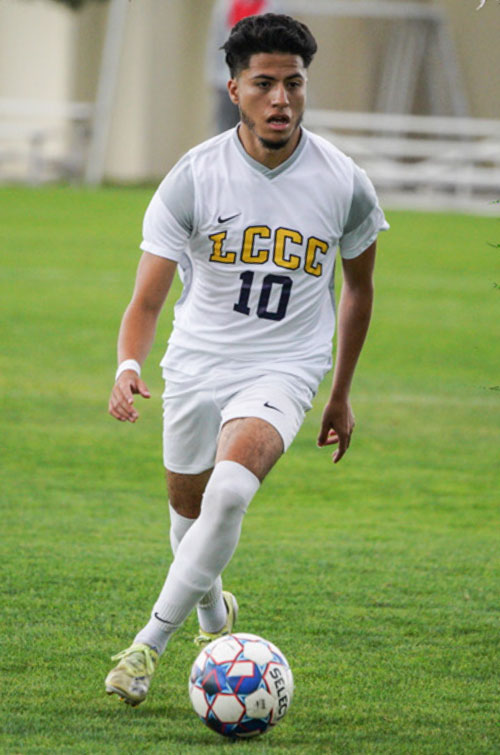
[
  {"x": 211, "y": 609},
  {"x": 203, "y": 552},
  {"x": 179, "y": 525}
]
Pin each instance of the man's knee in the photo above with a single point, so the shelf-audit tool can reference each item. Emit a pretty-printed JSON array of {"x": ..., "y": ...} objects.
[
  {"x": 226, "y": 498},
  {"x": 229, "y": 491},
  {"x": 185, "y": 491}
]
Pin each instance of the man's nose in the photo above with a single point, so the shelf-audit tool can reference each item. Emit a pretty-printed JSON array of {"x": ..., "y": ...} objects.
[{"x": 280, "y": 95}]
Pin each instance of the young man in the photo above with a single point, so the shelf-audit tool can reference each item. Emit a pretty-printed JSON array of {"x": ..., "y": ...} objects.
[{"x": 253, "y": 219}]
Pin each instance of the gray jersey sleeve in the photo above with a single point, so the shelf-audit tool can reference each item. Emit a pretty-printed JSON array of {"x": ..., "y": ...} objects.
[
  {"x": 365, "y": 219},
  {"x": 168, "y": 222}
]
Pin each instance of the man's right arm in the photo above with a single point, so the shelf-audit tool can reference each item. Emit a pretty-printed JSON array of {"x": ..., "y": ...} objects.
[{"x": 154, "y": 278}]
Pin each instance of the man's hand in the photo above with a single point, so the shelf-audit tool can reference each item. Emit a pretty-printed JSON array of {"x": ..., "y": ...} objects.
[
  {"x": 121, "y": 402},
  {"x": 337, "y": 425}
]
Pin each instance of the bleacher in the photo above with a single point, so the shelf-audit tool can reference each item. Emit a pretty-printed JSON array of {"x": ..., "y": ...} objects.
[
  {"x": 43, "y": 140},
  {"x": 428, "y": 162}
]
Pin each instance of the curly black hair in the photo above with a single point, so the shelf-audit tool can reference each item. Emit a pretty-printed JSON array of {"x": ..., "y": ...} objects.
[{"x": 270, "y": 32}]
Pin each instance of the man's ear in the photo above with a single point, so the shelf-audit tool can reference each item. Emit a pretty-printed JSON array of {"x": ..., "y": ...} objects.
[{"x": 232, "y": 88}]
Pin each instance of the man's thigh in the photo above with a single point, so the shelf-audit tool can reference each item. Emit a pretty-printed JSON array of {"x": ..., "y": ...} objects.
[
  {"x": 260, "y": 421},
  {"x": 252, "y": 442},
  {"x": 278, "y": 401}
]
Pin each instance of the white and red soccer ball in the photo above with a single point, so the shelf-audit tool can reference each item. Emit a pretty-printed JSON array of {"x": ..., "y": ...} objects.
[{"x": 241, "y": 685}]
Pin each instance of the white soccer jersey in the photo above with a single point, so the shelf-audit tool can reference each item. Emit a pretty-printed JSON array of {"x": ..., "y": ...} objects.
[{"x": 256, "y": 250}]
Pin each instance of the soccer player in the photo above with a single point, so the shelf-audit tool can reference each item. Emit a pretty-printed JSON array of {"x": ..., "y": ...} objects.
[{"x": 252, "y": 219}]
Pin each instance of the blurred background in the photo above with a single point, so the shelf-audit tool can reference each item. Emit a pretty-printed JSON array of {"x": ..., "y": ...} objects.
[{"x": 118, "y": 90}]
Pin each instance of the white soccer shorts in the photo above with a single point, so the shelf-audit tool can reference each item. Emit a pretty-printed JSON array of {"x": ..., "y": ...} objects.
[{"x": 195, "y": 409}]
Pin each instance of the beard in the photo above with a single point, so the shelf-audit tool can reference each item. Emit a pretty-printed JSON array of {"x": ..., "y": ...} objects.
[{"x": 270, "y": 144}]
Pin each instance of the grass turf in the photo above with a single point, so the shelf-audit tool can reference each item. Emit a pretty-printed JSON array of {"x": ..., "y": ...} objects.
[{"x": 379, "y": 577}]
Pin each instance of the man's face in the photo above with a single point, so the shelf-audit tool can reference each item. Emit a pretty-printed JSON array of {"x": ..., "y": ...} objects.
[{"x": 271, "y": 96}]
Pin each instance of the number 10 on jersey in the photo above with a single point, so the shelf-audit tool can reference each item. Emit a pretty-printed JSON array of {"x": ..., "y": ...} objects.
[{"x": 283, "y": 281}]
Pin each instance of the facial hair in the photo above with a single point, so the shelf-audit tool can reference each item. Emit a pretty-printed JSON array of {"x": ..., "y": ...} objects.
[{"x": 268, "y": 143}]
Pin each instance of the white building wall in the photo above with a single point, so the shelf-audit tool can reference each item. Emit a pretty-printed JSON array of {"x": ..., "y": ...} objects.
[{"x": 35, "y": 49}]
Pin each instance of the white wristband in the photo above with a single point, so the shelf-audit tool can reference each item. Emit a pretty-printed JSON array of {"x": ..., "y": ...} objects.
[{"x": 128, "y": 364}]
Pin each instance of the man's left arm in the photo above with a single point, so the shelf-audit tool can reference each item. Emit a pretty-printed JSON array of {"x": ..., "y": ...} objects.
[{"x": 354, "y": 315}]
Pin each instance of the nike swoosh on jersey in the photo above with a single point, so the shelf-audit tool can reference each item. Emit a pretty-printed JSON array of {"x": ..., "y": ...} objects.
[
  {"x": 270, "y": 406},
  {"x": 220, "y": 219}
]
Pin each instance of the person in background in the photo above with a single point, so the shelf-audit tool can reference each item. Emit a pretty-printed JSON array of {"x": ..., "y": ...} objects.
[{"x": 225, "y": 15}]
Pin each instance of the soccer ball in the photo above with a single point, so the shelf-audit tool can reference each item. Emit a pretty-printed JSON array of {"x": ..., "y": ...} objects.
[{"x": 241, "y": 685}]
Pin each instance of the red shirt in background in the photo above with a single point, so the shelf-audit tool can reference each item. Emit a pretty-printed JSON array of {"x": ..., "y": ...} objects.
[{"x": 242, "y": 8}]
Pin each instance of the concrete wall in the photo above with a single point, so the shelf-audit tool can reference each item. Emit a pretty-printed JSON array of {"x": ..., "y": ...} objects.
[{"x": 162, "y": 104}]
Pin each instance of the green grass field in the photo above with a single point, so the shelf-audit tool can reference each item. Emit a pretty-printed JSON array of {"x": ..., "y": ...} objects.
[{"x": 379, "y": 578}]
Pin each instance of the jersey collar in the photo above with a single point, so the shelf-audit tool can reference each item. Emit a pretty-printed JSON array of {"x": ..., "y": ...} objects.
[{"x": 270, "y": 173}]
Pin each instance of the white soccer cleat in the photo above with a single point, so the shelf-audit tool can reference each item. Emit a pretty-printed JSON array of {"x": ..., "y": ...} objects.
[{"x": 131, "y": 678}]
